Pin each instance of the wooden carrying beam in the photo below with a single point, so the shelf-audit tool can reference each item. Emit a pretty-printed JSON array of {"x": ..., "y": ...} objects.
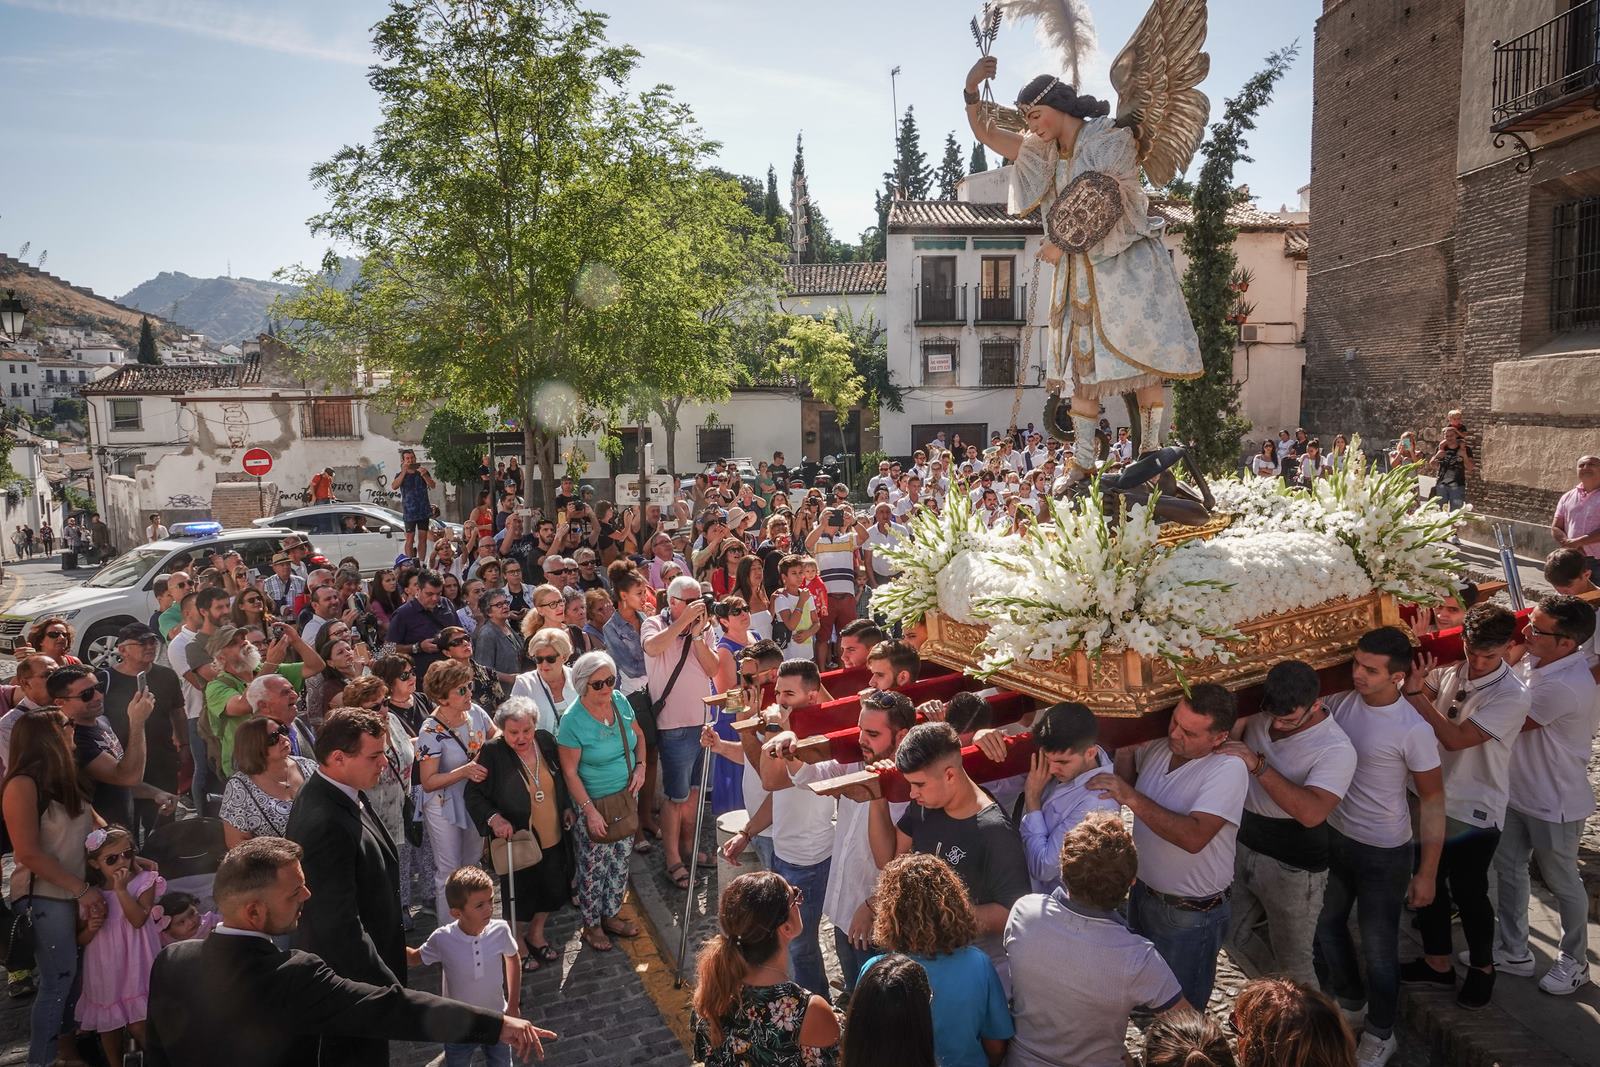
[
  {"x": 845, "y": 746},
  {"x": 842, "y": 712}
]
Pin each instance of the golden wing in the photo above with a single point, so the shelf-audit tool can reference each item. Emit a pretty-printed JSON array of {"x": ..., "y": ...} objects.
[{"x": 1155, "y": 76}]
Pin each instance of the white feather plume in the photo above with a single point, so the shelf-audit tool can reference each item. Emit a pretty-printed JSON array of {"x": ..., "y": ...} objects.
[{"x": 1064, "y": 27}]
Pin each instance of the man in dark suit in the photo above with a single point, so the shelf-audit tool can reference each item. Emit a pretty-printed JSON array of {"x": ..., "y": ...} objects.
[
  {"x": 237, "y": 997},
  {"x": 352, "y": 920}
]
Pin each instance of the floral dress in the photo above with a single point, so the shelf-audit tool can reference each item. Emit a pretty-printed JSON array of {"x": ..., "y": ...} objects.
[
  {"x": 248, "y": 809},
  {"x": 763, "y": 1032}
]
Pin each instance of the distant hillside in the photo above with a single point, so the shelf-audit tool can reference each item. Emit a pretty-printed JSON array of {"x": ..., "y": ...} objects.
[
  {"x": 52, "y": 301},
  {"x": 224, "y": 309}
]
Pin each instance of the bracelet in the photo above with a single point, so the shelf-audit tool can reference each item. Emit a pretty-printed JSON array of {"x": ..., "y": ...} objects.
[
  {"x": 83, "y": 892},
  {"x": 968, "y": 95},
  {"x": 586, "y": 804},
  {"x": 1261, "y": 765}
]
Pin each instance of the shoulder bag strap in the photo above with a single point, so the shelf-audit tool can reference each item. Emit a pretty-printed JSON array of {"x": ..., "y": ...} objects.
[
  {"x": 451, "y": 734},
  {"x": 683, "y": 658},
  {"x": 250, "y": 790},
  {"x": 627, "y": 749}
]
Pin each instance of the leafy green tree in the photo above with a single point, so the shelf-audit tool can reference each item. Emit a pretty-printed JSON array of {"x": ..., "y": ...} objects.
[
  {"x": 950, "y": 169},
  {"x": 875, "y": 242},
  {"x": 1208, "y": 407},
  {"x": 819, "y": 353},
  {"x": 452, "y": 463},
  {"x": 980, "y": 160},
  {"x": 536, "y": 240},
  {"x": 911, "y": 176},
  {"x": 147, "y": 343},
  {"x": 772, "y": 206}
]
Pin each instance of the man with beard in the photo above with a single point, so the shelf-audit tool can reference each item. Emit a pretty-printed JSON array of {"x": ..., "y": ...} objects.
[
  {"x": 238, "y": 663},
  {"x": 881, "y": 725},
  {"x": 209, "y": 994}
]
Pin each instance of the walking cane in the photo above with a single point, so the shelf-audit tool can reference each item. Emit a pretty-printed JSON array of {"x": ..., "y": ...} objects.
[
  {"x": 694, "y": 854},
  {"x": 511, "y": 899}
]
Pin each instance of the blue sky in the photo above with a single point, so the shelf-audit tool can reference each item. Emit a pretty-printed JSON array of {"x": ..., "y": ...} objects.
[{"x": 156, "y": 135}]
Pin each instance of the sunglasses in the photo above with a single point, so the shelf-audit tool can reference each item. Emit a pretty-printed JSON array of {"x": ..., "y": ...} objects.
[
  {"x": 59, "y": 635},
  {"x": 598, "y": 684},
  {"x": 880, "y": 699},
  {"x": 406, "y": 676},
  {"x": 117, "y": 857},
  {"x": 274, "y": 736},
  {"x": 748, "y": 679},
  {"x": 547, "y": 659},
  {"x": 84, "y": 694},
  {"x": 457, "y": 641},
  {"x": 797, "y": 896}
]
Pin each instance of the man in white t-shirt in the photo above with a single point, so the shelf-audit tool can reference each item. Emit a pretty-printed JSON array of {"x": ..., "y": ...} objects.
[
  {"x": 194, "y": 681},
  {"x": 880, "y": 480},
  {"x": 1567, "y": 571},
  {"x": 1300, "y": 765},
  {"x": 881, "y": 726},
  {"x": 802, "y": 829},
  {"x": 1186, "y": 797},
  {"x": 1484, "y": 705},
  {"x": 1369, "y": 838},
  {"x": 1550, "y": 796},
  {"x": 883, "y": 532}
]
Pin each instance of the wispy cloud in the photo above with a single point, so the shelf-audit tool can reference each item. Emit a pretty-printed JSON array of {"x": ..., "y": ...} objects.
[
  {"x": 701, "y": 63},
  {"x": 214, "y": 20}
]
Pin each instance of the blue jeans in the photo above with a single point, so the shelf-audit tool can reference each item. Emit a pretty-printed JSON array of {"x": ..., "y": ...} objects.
[
  {"x": 805, "y": 951},
  {"x": 202, "y": 770},
  {"x": 1188, "y": 940},
  {"x": 461, "y": 1055},
  {"x": 850, "y": 958},
  {"x": 680, "y": 762},
  {"x": 762, "y": 846},
  {"x": 55, "y": 933},
  {"x": 1453, "y": 495},
  {"x": 1373, "y": 881}
]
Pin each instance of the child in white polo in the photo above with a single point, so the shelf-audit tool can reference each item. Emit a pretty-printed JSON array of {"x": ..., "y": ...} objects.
[{"x": 479, "y": 954}]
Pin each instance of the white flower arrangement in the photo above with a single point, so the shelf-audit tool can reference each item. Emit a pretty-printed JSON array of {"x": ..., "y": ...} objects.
[{"x": 1075, "y": 585}]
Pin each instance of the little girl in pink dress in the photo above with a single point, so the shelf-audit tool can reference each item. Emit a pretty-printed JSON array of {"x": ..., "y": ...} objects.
[{"x": 118, "y": 955}]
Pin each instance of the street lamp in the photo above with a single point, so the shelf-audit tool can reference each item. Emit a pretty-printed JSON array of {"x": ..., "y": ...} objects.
[{"x": 11, "y": 315}]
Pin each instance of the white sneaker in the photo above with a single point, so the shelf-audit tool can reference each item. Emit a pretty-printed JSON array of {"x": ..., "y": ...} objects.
[
  {"x": 1503, "y": 963},
  {"x": 1566, "y": 977},
  {"x": 1374, "y": 1051}
]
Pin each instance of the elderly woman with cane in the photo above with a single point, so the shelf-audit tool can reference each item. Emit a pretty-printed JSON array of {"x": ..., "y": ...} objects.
[
  {"x": 523, "y": 808},
  {"x": 602, "y": 757}
]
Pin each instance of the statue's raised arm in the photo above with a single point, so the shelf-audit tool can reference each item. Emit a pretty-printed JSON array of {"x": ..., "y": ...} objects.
[{"x": 1155, "y": 76}]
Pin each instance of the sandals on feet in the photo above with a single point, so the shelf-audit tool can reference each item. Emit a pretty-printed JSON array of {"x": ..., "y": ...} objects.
[
  {"x": 546, "y": 953},
  {"x": 530, "y": 963},
  {"x": 595, "y": 938},
  {"x": 679, "y": 873},
  {"x": 620, "y": 928}
]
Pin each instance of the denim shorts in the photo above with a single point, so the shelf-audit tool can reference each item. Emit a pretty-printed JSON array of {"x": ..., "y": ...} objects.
[{"x": 680, "y": 761}]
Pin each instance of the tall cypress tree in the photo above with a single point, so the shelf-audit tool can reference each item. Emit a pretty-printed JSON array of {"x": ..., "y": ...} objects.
[
  {"x": 147, "y": 343},
  {"x": 772, "y": 206},
  {"x": 1208, "y": 407},
  {"x": 911, "y": 176},
  {"x": 817, "y": 237},
  {"x": 980, "y": 161},
  {"x": 950, "y": 169}
]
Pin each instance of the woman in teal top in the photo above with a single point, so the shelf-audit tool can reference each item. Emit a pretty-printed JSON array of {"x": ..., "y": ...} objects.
[
  {"x": 602, "y": 752},
  {"x": 922, "y": 911}
]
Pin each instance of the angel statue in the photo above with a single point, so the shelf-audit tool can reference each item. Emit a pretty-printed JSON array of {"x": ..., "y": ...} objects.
[{"x": 1118, "y": 321}]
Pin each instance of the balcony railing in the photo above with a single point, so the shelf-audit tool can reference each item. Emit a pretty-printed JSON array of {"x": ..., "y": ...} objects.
[
  {"x": 1006, "y": 305},
  {"x": 1549, "y": 72},
  {"x": 941, "y": 305}
]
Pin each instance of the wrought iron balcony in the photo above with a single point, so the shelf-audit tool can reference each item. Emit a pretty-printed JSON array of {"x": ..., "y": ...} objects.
[
  {"x": 1547, "y": 74},
  {"x": 941, "y": 305},
  {"x": 1002, "y": 305}
]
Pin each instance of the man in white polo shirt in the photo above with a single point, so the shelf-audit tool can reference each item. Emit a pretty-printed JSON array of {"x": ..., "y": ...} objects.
[
  {"x": 1476, "y": 709},
  {"x": 1186, "y": 797},
  {"x": 1300, "y": 765},
  {"x": 1550, "y": 796},
  {"x": 882, "y": 724},
  {"x": 1369, "y": 839}
]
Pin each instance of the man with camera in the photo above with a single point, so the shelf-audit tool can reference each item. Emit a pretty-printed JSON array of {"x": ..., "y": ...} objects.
[
  {"x": 413, "y": 483},
  {"x": 835, "y": 544}
]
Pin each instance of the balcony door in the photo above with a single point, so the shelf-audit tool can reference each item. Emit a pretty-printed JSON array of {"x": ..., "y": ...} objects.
[
  {"x": 939, "y": 288},
  {"x": 997, "y": 296}
]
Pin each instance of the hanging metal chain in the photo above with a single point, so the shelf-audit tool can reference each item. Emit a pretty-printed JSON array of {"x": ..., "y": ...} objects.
[{"x": 1027, "y": 342}]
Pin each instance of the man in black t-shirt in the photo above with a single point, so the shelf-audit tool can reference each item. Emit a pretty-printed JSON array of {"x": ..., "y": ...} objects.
[
  {"x": 1452, "y": 463},
  {"x": 166, "y": 730},
  {"x": 950, "y": 816}
]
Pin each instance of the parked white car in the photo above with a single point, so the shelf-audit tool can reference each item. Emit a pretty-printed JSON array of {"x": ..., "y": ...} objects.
[
  {"x": 121, "y": 591},
  {"x": 373, "y": 534}
]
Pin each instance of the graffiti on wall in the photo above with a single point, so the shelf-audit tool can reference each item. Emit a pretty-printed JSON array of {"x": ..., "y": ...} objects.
[{"x": 187, "y": 501}]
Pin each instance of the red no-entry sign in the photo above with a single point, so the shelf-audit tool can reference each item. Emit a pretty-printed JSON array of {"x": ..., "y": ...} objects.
[{"x": 257, "y": 461}]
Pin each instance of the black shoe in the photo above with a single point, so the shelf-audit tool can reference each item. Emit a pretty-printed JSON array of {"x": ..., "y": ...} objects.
[
  {"x": 1418, "y": 971},
  {"x": 1476, "y": 989}
]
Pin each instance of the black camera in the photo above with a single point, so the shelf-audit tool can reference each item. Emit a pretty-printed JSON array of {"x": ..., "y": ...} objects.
[
  {"x": 836, "y": 518},
  {"x": 714, "y": 609}
]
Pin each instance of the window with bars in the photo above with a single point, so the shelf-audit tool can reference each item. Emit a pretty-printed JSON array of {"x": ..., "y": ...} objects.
[
  {"x": 998, "y": 364},
  {"x": 941, "y": 362},
  {"x": 1575, "y": 265},
  {"x": 330, "y": 418},
  {"x": 715, "y": 442}
]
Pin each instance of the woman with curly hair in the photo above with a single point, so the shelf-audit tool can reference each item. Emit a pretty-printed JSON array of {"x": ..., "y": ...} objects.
[
  {"x": 922, "y": 911},
  {"x": 1289, "y": 1024}
]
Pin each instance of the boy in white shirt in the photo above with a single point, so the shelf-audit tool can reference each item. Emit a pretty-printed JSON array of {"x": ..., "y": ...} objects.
[{"x": 479, "y": 954}]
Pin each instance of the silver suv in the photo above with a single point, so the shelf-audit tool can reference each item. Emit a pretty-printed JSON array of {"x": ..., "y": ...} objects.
[{"x": 121, "y": 591}]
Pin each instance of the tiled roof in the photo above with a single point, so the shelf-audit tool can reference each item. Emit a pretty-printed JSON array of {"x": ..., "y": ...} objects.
[
  {"x": 955, "y": 216},
  {"x": 141, "y": 379},
  {"x": 1297, "y": 243},
  {"x": 830, "y": 279},
  {"x": 1179, "y": 214}
]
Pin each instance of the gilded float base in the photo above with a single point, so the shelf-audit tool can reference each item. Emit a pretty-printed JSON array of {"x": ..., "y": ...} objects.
[{"x": 1125, "y": 684}]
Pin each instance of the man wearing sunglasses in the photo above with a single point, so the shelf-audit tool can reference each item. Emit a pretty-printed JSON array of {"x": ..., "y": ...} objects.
[
  {"x": 882, "y": 723},
  {"x": 116, "y": 773},
  {"x": 1550, "y": 796}
]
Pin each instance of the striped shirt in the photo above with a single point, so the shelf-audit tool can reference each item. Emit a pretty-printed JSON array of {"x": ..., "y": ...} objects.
[{"x": 837, "y": 566}]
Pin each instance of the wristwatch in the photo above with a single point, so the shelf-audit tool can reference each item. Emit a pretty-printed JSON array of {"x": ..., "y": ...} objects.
[{"x": 969, "y": 95}]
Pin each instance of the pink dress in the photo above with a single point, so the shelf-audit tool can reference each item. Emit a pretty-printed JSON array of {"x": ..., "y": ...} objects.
[{"x": 116, "y": 964}]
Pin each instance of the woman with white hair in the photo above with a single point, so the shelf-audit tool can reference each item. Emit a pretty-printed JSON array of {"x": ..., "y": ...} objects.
[
  {"x": 549, "y": 684},
  {"x": 525, "y": 793},
  {"x": 602, "y": 754}
]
